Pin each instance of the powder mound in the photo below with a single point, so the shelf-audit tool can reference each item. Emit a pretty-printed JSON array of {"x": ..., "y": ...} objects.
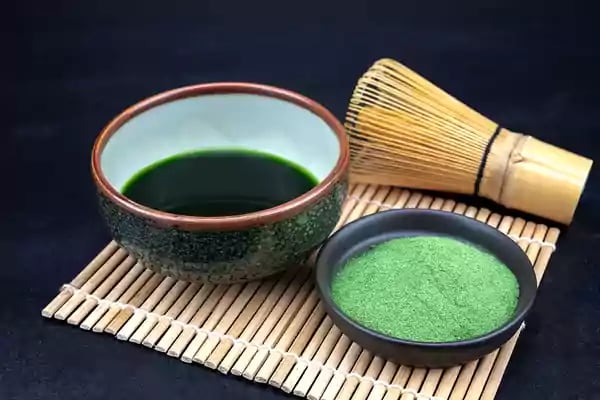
[{"x": 428, "y": 289}]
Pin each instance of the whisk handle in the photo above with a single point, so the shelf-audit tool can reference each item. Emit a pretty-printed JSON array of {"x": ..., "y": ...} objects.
[{"x": 535, "y": 177}]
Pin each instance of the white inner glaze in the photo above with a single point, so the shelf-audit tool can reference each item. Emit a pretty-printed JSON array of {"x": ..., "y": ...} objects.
[{"x": 246, "y": 121}]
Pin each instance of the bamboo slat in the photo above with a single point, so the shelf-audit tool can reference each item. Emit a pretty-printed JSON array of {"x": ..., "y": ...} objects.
[{"x": 275, "y": 331}]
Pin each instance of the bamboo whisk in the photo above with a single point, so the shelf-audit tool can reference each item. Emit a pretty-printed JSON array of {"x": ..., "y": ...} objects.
[{"x": 405, "y": 131}]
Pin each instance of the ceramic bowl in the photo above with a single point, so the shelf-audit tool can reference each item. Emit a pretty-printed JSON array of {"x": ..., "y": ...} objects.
[
  {"x": 234, "y": 248},
  {"x": 365, "y": 232}
]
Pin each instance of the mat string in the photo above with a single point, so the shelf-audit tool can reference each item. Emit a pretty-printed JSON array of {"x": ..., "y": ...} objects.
[
  {"x": 222, "y": 336},
  {"x": 516, "y": 238}
]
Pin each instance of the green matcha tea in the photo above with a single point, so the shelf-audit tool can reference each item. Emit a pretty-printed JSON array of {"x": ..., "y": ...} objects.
[
  {"x": 428, "y": 289},
  {"x": 218, "y": 183}
]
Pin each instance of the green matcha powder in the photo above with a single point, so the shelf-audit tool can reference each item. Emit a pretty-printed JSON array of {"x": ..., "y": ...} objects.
[{"x": 428, "y": 289}]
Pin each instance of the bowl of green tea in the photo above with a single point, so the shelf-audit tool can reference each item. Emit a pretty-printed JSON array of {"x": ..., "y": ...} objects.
[
  {"x": 425, "y": 287},
  {"x": 221, "y": 182}
]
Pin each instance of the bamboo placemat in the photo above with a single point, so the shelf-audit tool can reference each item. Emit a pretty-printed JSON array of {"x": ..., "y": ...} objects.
[{"x": 275, "y": 331}]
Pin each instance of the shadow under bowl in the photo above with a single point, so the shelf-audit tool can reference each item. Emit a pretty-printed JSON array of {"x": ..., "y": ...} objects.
[{"x": 365, "y": 232}]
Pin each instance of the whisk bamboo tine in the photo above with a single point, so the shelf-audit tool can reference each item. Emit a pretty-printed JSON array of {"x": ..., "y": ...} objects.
[{"x": 406, "y": 131}]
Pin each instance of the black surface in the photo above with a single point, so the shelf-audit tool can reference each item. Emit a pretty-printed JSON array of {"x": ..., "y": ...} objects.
[
  {"x": 360, "y": 235},
  {"x": 72, "y": 66}
]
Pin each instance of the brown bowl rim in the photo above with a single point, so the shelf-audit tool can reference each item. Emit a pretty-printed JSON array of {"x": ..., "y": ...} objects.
[{"x": 277, "y": 213}]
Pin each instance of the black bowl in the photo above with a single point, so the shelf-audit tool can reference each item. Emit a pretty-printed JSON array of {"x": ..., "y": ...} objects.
[{"x": 365, "y": 232}]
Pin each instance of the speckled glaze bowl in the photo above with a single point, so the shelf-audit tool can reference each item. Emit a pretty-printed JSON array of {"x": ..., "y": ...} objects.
[{"x": 224, "y": 249}]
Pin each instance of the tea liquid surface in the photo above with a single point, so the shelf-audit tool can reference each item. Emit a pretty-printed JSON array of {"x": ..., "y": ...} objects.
[{"x": 213, "y": 183}]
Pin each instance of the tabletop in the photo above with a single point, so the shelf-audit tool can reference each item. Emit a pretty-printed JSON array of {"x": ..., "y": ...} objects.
[{"x": 75, "y": 65}]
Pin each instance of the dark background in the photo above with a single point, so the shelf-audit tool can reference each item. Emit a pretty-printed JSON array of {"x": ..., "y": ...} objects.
[{"x": 71, "y": 66}]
